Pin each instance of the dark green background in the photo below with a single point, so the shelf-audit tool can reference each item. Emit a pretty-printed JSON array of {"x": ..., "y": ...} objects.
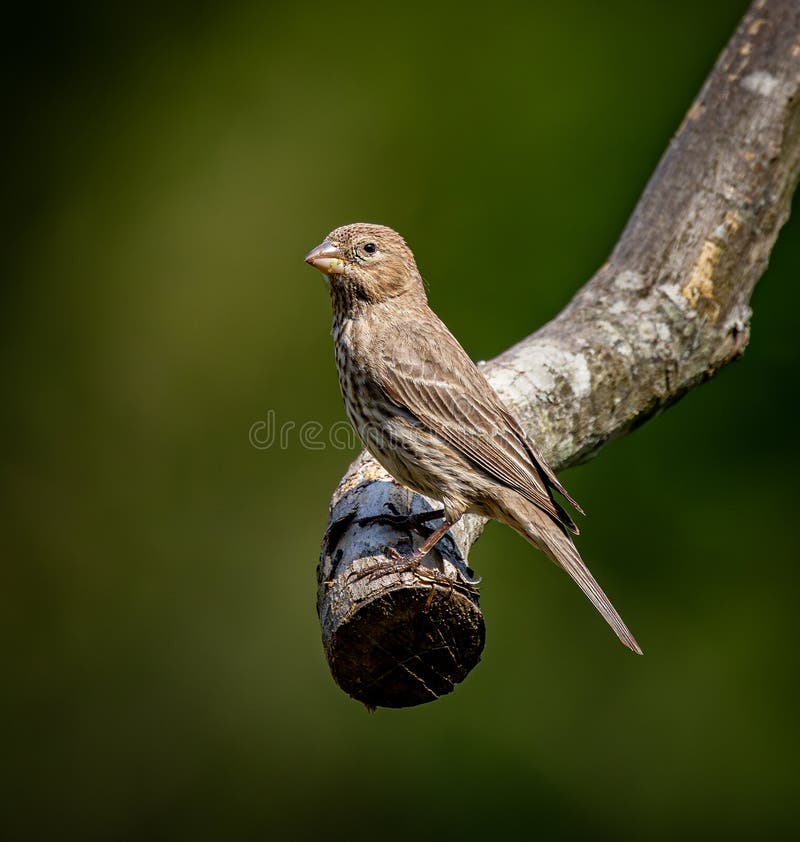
[{"x": 163, "y": 675}]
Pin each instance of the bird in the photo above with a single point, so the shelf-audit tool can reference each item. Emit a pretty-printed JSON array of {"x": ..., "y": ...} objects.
[{"x": 429, "y": 416}]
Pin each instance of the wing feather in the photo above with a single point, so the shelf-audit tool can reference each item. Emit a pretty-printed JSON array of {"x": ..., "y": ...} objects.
[{"x": 432, "y": 377}]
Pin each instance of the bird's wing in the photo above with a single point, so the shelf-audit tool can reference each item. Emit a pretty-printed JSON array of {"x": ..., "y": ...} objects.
[
  {"x": 536, "y": 456},
  {"x": 431, "y": 376}
]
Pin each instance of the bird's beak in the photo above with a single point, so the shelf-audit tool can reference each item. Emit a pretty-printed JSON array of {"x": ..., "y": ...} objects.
[{"x": 327, "y": 258}]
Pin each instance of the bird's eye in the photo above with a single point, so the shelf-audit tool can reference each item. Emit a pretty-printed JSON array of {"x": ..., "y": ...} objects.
[{"x": 370, "y": 248}]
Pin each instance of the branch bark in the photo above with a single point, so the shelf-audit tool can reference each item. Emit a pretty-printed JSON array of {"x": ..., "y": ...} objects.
[{"x": 662, "y": 315}]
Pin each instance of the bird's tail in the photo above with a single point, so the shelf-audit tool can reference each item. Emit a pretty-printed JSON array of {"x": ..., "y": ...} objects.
[{"x": 551, "y": 538}]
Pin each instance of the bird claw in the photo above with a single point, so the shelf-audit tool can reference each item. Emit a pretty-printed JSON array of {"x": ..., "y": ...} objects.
[
  {"x": 393, "y": 554},
  {"x": 400, "y": 564}
]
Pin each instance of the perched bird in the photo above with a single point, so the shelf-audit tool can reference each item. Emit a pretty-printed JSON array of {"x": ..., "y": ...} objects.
[{"x": 425, "y": 411}]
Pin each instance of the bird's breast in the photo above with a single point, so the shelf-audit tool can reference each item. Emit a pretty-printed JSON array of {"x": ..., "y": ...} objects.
[{"x": 358, "y": 386}]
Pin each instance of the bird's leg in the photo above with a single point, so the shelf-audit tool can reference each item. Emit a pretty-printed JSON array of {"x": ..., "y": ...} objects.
[
  {"x": 416, "y": 557},
  {"x": 400, "y": 563},
  {"x": 413, "y": 563}
]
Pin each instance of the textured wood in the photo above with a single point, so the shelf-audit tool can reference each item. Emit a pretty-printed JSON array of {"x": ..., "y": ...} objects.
[{"x": 663, "y": 314}]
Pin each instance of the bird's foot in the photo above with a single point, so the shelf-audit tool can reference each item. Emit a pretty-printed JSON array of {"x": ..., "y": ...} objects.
[
  {"x": 397, "y": 556},
  {"x": 400, "y": 564},
  {"x": 397, "y": 565}
]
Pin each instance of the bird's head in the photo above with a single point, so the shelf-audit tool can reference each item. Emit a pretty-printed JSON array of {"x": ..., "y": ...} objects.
[{"x": 366, "y": 262}]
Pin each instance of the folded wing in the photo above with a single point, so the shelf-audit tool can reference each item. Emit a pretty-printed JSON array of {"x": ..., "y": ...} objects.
[{"x": 431, "y": 375}]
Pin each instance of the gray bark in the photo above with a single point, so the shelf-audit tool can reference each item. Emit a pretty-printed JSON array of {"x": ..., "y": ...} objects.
[{"x": 662, "y": 315}]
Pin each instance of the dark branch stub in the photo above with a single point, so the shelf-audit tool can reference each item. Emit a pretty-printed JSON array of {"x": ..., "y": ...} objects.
[
  {"x": 668, "y": 309},
  {"x": 394, "y": 639},
  {"x": 407, "y": 645}
]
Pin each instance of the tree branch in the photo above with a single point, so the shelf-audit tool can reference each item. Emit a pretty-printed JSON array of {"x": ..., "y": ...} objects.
[{"x": 662, "y": 315}]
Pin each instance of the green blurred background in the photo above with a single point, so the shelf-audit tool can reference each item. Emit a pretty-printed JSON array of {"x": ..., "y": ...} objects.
[{"x": 163, "y": 674}]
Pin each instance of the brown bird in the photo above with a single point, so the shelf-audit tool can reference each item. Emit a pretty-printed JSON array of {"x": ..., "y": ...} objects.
[{"x": 425, "y": 411}]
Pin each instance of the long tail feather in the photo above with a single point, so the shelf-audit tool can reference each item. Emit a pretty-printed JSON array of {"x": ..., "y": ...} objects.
[{"x": 552, "y": 539}]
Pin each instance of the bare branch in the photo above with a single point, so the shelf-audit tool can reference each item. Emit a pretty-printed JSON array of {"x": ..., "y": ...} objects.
[{"x": 663, "y": 314}]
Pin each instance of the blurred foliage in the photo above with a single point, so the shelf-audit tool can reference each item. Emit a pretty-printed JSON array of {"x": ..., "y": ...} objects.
[{"x": 167, "y": 170}]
